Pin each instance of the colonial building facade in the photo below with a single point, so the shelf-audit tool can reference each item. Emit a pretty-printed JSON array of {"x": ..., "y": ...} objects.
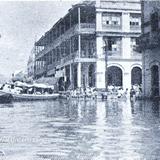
[
  {"x": 73, "y": 49},
  {"x": 150, "y": 43}
]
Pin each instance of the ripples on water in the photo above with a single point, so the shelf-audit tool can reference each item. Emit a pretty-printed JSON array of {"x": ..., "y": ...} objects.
[{"x": 80, "y": 130}]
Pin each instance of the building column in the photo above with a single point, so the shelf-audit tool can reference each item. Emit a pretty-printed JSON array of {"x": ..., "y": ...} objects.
[
  {"x": 79, "y": 50},
  {"x": 79, "y": 75},
  {"x": 126, "y": 47},
  {"x": 79, "y": 46},
  {"x": 126, "y": 41},
  {"x": 100, "y": 64},
  {"x": 125, "y": 22},
  {"x": 99, "y": 21},
  {"x": 70, "y": 76},
  {"x": 126, "y": 80},
  {"x": 79, "y": 18}
]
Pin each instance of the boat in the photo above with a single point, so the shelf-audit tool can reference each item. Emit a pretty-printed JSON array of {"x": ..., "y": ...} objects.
[
  {"x": 5, "y": 97},
  {"x": 26, "y": 97},
  {"x": 27, "y": 92}
]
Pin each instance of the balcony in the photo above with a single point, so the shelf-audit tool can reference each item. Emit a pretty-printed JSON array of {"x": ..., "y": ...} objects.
[
  {"x": 62, "y": 61},
  {"x": 86, "y": 54},
  {"x": 40, "y": 71},
  {"x": 136, "y": 55},
  {"x": 85, "y": 28},
  {"x": 112, "y": 28},
  {"x": 135, "y": 29},
  {"x": 114, "y": 54},
  {"x": 43, "y": 52},
  {"x": 88, "y": 28}
]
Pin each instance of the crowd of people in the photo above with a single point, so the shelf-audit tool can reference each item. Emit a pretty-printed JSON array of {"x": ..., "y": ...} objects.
[
  {"x": 112, "y": 92},
  {"x": 88, "y": 92},
  {"x": 134, "y": 93}
]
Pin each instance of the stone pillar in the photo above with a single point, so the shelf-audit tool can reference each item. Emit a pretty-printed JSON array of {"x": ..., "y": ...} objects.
[
  {"x": 125, "y": 22},
  {"x": 79, "y": 18},
  {"x": 126, "y": 47},
  {"x": 70, "y": 76},
  {"x": 99, "y": 21},
  {"x": 100, "y": 64},
  {"x": 79, "y": 50},
  {"x": 127, "y": 80},
  {"x": 79, "y": 75},
  {"x": 126, "y": 41},
  {"x": 79, "y": 46}
]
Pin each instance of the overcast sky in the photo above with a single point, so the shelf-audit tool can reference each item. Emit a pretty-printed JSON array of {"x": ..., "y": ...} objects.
[{"x": 20, "y": 24}]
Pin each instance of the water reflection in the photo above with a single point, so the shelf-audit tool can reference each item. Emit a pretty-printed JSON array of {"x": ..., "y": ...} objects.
[{"x": 82, "y": 130}]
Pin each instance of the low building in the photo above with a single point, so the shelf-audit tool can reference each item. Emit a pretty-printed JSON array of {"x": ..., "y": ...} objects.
[
  {"x": 19, "y": 76},
  {"x": 150, "y": 44},
  {"x": 72, "y": 50}
]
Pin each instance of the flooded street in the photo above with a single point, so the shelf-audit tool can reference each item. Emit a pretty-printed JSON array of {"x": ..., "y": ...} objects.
[{"x": 80, "y": 130}]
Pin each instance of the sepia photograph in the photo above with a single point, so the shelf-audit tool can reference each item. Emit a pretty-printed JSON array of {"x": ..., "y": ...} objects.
[{"x": 80, "y": 80}]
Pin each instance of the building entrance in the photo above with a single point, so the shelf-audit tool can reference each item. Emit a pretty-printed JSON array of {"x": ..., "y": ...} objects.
[
  {"x": 136, "y": 76},
  {"x": 114, "y": 76}
]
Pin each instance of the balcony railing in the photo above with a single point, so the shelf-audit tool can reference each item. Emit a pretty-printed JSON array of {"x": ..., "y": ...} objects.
[
  {"x": 85, "y": 28},
  {"x": 62, "y": 61},
  {"x": 40, "y": 71},
  {"x": 135, "y": 28},
  {"x": 88, "y": 55},
  {"x": 136, "y": 55},
  {"x": 112, "y": 27}
]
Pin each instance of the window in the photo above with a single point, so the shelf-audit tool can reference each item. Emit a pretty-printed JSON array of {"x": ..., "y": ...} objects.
[
  {"x": 111, "y": 19},
  {"x": 107, "y": 22},
  {"x": 135, "y": 20},
  {"x": 113, "y": 44},
  {"x": 134, "y": 44}
]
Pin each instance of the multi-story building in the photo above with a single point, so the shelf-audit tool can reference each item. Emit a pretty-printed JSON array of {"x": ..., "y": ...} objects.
[
  {"x": 150, "y": 44},
  {"x": 118, "y": 24},
  {"x": 73, "y": 49}
]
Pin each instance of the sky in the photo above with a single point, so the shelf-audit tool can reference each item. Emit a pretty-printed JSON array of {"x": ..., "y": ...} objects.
[{"x": 21, "y": 24}]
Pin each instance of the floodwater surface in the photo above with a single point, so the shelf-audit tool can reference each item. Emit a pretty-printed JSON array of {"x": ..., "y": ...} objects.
[{"x": 80, "y": 130}]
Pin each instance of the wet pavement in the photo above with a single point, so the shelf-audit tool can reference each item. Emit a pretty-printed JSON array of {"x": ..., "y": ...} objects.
[{"x": 80, "y": 130}]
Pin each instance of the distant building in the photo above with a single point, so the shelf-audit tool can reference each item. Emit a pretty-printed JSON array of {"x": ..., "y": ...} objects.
[
  {"x": 72, "y": 50},
  {"x": 150, "y": 44},
  {"x": 31, "y": 64},
  {"x": 19, "y": 76}
]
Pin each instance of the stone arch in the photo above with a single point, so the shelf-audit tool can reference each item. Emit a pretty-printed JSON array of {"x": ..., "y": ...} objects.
[
  {"x": 114, "y": 75},
  {"x": 116, "y": 65},
  {"x": 136, "y": 65},
  {"x": 136, "y": 75},
  {"x": 155, "y": 62}
]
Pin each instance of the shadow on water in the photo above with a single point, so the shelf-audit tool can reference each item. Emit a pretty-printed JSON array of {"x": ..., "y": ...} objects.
[
  {"x": 156, "y": 108},
  {"x": 6, "y": 105}
]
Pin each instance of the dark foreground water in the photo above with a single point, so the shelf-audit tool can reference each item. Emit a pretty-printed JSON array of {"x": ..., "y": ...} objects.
[{"x": 79, "y": 130}]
